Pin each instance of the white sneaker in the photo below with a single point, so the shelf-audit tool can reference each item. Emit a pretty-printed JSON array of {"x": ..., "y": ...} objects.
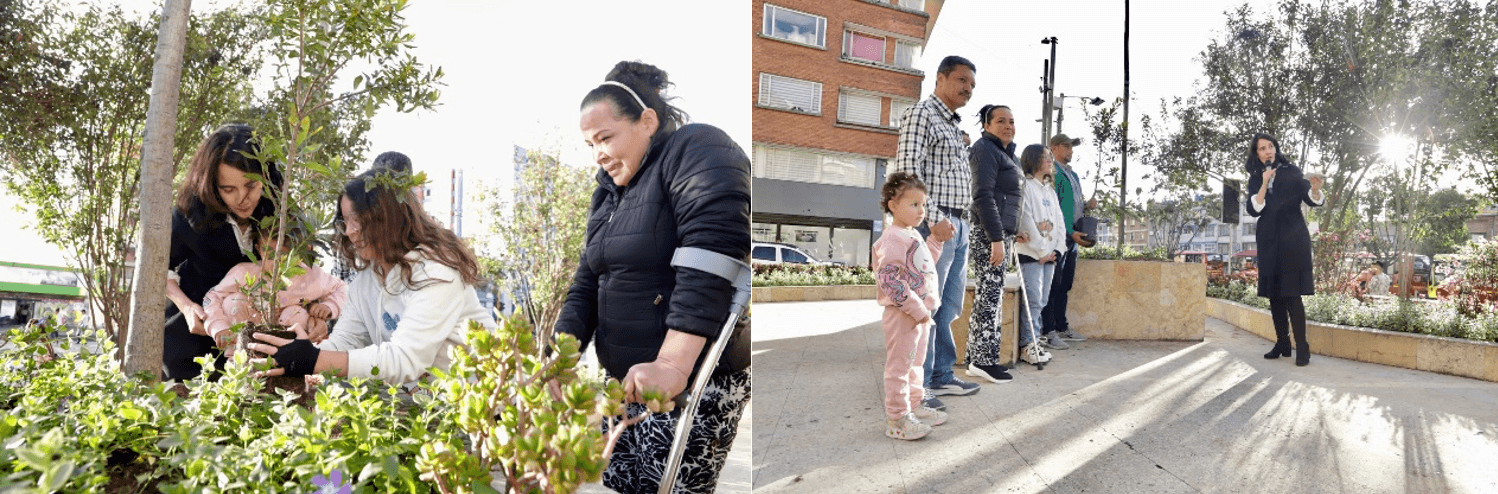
[
  {"x": 1034, "y": 354},
  {"x": 930, "y": 415},
  {"x": 906, "y": 428}
]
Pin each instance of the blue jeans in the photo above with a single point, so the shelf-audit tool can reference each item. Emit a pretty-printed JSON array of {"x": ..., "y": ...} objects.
[
  {"x": 1054, "y": 314},
  {"x": 951, "y": 276},
  {"x": 1037, "y": 290}
]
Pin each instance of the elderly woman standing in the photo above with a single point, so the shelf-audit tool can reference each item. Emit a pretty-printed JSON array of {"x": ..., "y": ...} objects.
[
  {"x": 661, "y": 185},
  {"x": 1284, "y": 241}
]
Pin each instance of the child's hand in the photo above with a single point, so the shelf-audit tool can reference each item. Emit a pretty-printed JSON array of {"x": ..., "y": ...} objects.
[
  {"x": 321, "y": 311},
  {"x": 225, "y": 340},
  {"x": 317, "y": 329}
]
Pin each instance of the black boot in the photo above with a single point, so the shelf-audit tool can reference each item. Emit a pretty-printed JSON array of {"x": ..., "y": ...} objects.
[
  {"x": 1281, "y": 349},
  {"x": 1302, "y": 356}
]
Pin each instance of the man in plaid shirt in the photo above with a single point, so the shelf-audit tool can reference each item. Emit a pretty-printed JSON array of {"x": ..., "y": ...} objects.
[{"x": 931, "y": 148}]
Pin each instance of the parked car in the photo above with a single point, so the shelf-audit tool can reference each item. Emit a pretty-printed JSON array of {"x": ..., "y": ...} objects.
[{"x": 782, "y": 253}]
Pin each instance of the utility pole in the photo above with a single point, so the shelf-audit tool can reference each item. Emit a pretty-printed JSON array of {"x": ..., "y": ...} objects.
[
  {"x": 1045, "y": 103},
  {"x": 1123, "y": 186},
  {"x": 1049, "y": 91}
]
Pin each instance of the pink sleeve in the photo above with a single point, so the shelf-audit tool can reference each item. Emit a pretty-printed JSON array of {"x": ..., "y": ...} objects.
[
  {"x": 895, "y": 279},
  {"x": 216, "y": 303},
  {"x": 935, "y": 246},
  {"x": 336, "y": 293}
]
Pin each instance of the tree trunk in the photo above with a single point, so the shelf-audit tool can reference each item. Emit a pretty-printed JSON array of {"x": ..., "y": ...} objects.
[{"x": 148, "y": 303}]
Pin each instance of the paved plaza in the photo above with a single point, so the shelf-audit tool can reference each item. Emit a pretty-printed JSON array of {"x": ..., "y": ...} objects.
[{"x": 1113, "y": 417}]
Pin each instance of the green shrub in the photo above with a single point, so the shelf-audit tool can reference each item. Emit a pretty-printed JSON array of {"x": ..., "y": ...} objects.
[
  {"x": 1406, "y": 316},
  {"x": 811, "y": 275},
  {"x": 1113, "y": 253},
  {"x": 73, "y": 422}
]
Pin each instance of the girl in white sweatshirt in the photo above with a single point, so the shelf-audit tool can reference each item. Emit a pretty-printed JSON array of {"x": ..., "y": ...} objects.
[
  {"x": 411, "y": 300},
  {"x": 1043, "y": 236}
]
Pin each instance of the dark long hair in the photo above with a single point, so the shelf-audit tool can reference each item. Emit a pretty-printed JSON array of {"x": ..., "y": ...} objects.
[
  {"x": 649, "y": 83},
  {"x": 393, "y": 227},
  {"x": 197, "y": 196},
  {"x": 1256, "y": 167}
]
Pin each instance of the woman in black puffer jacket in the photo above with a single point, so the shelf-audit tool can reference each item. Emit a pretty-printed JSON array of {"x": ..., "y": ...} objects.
[
  {"x": 995, "y": 210},
  {"x": 662, "y": 185}
]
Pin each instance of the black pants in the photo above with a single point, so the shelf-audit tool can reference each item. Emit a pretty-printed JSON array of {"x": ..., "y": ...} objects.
[
  {"x": 1288, "y": 313},
  {"x": 179, "y": 347},
  {"x": 1053, "y": 316}
]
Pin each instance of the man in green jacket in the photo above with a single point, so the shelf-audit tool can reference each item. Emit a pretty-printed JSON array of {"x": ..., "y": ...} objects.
[{"x": 1056, "y": 330}]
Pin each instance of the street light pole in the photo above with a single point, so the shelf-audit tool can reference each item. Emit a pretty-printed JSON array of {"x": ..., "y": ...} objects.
[{"x": 1048, "y": 98}]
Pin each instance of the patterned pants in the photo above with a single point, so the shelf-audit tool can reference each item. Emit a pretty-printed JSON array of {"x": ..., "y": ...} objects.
[
  {"x": 641, "y": 453},
  {"x": 983, "y": 323}
]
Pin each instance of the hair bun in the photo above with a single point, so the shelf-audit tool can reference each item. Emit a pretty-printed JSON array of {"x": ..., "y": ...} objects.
[{"x": 639, "y": 75}]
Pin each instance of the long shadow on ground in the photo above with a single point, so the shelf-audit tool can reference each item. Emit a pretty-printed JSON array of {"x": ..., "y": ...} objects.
[{"x": 1114, "y": 416}]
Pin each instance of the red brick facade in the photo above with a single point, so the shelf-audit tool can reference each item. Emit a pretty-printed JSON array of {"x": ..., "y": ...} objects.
[{"x": 827, "y": 66}]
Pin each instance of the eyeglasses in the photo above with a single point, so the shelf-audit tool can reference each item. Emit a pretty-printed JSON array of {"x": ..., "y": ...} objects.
[{"x": 343, "y": 225}]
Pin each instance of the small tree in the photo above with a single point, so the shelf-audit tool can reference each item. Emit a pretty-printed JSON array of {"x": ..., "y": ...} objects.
[
  {"x": 75, "y": 98},
  {"x": 310, "y": 132},
  {"x": 540, "y": 234}
]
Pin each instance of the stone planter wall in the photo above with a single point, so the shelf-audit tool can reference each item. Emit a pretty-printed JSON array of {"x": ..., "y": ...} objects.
[
  {"x": 1139, "y": 300},
  {"x": 813, "y": 293},
  {"x": 1454, "y": 356}
]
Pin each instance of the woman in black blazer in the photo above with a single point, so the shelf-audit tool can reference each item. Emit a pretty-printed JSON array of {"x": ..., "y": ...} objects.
[
  {"x": 211, "y": 231},
  {"x": 1284, "y": 241}
]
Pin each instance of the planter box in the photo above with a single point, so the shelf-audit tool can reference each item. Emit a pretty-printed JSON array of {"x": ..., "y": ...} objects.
[
  {"x": 814, "y": 293},
  {"x": 1139, "y": 300},
  {"x": 1454, "y": 356}
]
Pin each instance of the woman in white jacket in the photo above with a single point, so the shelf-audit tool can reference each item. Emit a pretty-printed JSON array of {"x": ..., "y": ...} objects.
[
  {"x": 1041, "y": 238},
  {"x": 411, "y": 299}
]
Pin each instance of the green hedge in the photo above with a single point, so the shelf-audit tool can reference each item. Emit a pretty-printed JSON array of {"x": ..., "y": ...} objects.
[
  {"x": 1405, "y": 316},
  {"x": 811, "y": 275},
  {"x": 1112, "y": 253}
]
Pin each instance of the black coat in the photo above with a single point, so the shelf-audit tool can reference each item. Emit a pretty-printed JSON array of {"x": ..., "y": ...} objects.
[
  {"x": 996, "y": 186},
  {"x": 691, "y": 191},
  {"x": 1283, "y": 238},
  {"x": 201, "y": 257}
]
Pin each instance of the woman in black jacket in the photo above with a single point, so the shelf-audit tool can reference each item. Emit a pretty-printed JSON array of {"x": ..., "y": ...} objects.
[
  {"x": 217, "y": 205},
  {"x": 1284, "y": 241},
  {"x": 996, "y": 202},
  {"x": 662, "y": 185}
]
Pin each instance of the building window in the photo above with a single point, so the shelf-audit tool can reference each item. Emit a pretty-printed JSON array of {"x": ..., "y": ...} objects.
[
  {"x": 805, "y": 166},
  {"x": 1224, "y": 248},
  {"x": 791, "y": 94},
  {"x": 1250, "y": 246},
  {"x": 799, "y": 27},
  {"x": 1250, "y": 228},
  {"x": 863, "y": 47},
  {"x": 909, "y": 4},
  {"x": 905, "y": 54},
  {"x": 897, "y": 109},
  {"x": 858, "y": 108}
]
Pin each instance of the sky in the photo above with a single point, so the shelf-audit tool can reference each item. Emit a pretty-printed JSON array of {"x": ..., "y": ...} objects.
[
  {"x": 1003, "y": 40},
  {"x": 516, "y": 72}
]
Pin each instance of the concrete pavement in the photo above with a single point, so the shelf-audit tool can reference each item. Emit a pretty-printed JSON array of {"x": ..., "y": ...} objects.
[{"x": 1113, "y": 416}]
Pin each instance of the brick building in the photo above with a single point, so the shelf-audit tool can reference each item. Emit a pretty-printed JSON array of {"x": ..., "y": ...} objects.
[{"x": 831, "y": 80}]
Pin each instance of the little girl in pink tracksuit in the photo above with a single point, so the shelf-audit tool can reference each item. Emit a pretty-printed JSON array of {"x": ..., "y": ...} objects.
[
  {"x": 905, "y": 271},
  {"x": 312, "y": 297}
]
